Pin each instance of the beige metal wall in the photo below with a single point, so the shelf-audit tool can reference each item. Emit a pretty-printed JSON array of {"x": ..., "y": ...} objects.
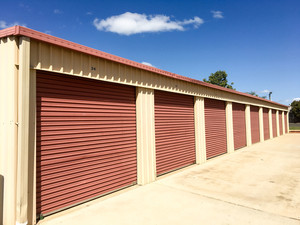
[
  {"x": 248, "y": 125},
  {"x": 146, "y": 159},
  {"x": 17, "y": 136},
  {"x": 283, "y": 123},
  {"x": 200, "y": 141},
  {"x": 229, "y": 127},
  {"x": 271, "y": 124},
  {"x": 56, "y": 59},
  {"x": 287, "y": 123},
  {"x": 8, "y": 128},
  {"x": 23, "y": 130},
  {"x": 261, "y": 125},
  {"x": 17, "y": 114}
]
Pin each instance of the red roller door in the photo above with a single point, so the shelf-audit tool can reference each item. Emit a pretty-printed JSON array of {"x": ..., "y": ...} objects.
[
  {"x": 280, "y": 123},
  {"x": 174, "y": 131},
  {"x": 215, "y": 127},
  {"x": 239, "y": 125},
  {"x": 86, "y": 140},
  {"x": 274, "y": 123},
  {"x": 285, "y": 122},
  {"x": 266, "y": 124},
  {"x": 254, "y": 124}
]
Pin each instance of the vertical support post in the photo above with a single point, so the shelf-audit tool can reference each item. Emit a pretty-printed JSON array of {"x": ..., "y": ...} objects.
[
  {"x": 146, "y": 158},
  {"x": 229, "y": 128},
  {"x": 270, "y": 123},
  {"x": 23, "y": 131},
  {"x": 199, "y": 119},
  {"x": 282, "y": 119},
  {"x": 8, "y": 127},
  {"x": 261, "y": 124},
  {"x": 277, "y": 123},
  {"x": 248, "y": 125},
  {"x": 32, "y": 150},
  {"x": 287, "y": 122}
]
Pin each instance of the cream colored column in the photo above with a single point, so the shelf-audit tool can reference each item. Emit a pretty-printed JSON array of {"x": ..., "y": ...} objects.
[
  {"x": 146, "y": 159},
  {"x": 8, "y": 128},
  {"x": 248, "y": 125},
  {"x": 32, "y": 150},
  {"x": 277, "y": 123},
  {"x": 270, "y": 124},
  {"x": 261, "y": 124},
  {"x": 229, "y": 128},
  {"x": 199, "y": 130},
  {"x": 283, "y": 126},
  {"x": 287, "y": 123},
  {"x": 23, "y": 131}
]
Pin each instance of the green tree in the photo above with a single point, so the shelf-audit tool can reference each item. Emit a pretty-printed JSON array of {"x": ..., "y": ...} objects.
[
  {"x": 295, "y": 110},
  {"x": 219, "y": 78},
  {"x": 254, "y": 93}
]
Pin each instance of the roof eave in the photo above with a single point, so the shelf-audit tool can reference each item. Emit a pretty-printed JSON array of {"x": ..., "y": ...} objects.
[{"x": 24, "y": 31}]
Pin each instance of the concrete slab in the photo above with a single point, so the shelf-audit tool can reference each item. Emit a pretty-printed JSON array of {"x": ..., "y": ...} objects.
[
  {"x": 255, "y": 185},
  {"x": 265, "y": 176}
]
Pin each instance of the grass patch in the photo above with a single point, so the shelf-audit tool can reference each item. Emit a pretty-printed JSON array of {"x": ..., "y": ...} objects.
[{"x": 294, "y": 128}]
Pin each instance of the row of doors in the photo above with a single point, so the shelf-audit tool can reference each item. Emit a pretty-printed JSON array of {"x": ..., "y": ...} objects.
[
  {"x": 239, "y": 124},
  {"x": 86, "y": 137}
]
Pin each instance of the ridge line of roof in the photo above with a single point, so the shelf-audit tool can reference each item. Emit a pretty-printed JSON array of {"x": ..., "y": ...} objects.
[{"x": 24, "y": 31}]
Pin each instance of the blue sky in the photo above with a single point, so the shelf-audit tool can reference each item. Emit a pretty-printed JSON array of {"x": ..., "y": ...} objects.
[{"x": 257, "y": 42}]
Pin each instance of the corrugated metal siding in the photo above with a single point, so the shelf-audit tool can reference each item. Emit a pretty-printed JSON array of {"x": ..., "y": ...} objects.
[
  {"x": 274, "y": 123},
  {"x": 86, "y": 140},
  {"x": 45, "y": 56},
  {"x": 174, "y": 131},
  {"x": 215, "y": 127},
  {"x": 239, "y": 125},
  {"x": 280, "y": 123},
  {"x": 266, "y": 124},
  {"x": 254, "y": 114},
  {"x": 285, "y": 122},
  {"x": 8, "y": 129}
]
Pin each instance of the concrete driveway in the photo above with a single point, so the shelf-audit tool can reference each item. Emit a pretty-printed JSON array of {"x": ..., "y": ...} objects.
[{"x": 255, "y": 185}]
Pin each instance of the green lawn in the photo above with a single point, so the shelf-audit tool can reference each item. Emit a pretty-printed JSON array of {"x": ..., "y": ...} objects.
[{"x": 294, "y": 126}]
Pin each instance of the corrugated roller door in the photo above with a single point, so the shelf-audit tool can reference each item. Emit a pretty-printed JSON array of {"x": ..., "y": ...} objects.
[
  {"x": 274, "y": 123},
  {"x": 266, "y": 124},
  {"x": 280, "y": 123},
  {"x": 239, "y": 125},
  {"x": 174, "y": 131},
  {"x": 285, "y": 122},
  {"x": 215, "y": 127},
  {"x": 254, "y": 124},
  {"x": 86, "y": 140}
]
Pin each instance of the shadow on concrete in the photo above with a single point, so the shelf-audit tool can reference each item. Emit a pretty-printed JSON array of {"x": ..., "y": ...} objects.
[{"x": 1, "y": 198}]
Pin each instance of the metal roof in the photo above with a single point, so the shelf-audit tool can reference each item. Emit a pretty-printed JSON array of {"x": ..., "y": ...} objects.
[{"x": 24, "y": 31}]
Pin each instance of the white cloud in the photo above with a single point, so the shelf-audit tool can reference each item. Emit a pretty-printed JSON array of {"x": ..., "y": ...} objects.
[
  {"x": 147, "y": 64},
  {"x": 26, "y": 7},
  {"x": 4, "y": 24},
  {"x": 57, "y": 11},
  {"x": 265, "y": 91},
  {"x": 89, "y": 13},
  {"x": 217, "y": 14},
  {"x": 289, "y": 101},
  {"x": 134, "y": 23}
]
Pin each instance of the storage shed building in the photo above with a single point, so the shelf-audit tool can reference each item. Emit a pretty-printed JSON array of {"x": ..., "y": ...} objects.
[{"x": 77, "y": 123}]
